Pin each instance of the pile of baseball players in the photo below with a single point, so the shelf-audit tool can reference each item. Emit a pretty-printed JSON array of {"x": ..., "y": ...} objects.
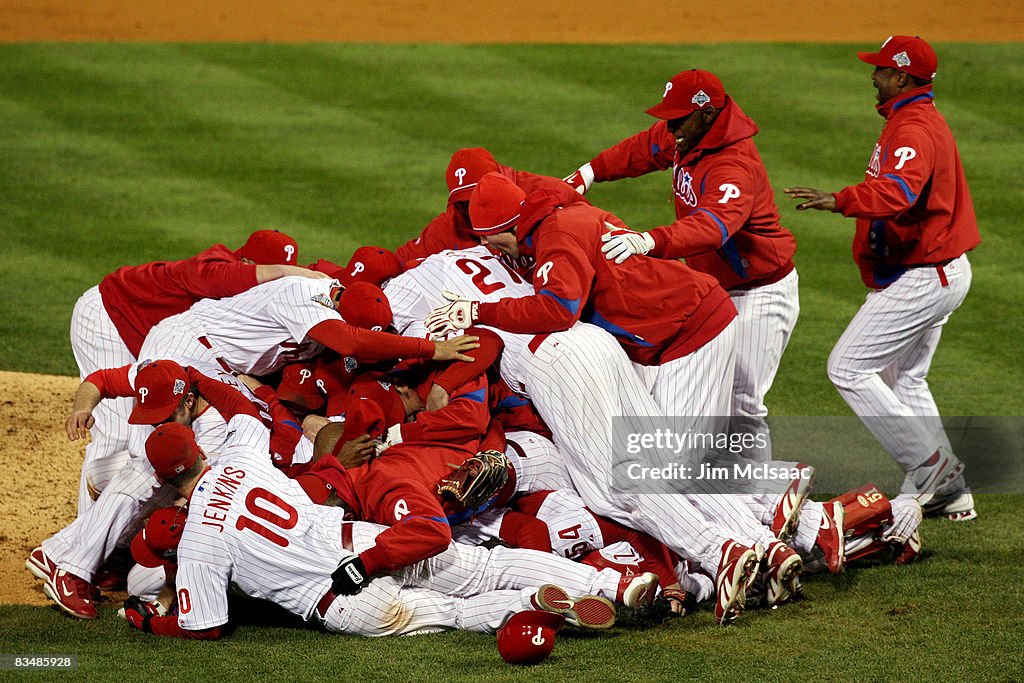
[{"x": 426, "y": 438}]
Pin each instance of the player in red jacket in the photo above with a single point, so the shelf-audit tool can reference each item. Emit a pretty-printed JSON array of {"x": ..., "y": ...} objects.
[
  {"x": 452, "y": 229},
  {"x": 111, "y": 320},
  {"x": 727, "y": 225},
  {"x": 915, "y": 225},
  {"x": 664, "y": 315}
]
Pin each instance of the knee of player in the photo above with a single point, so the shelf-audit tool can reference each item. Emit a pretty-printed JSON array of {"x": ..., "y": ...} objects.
[{"x": 843, "y": 371}]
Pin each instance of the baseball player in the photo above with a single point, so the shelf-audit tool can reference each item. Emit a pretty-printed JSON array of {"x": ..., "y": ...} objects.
[
  {"x": 250, "y": 526},
  {"x": 915, "y": 225},
  {"x": 727, "y": 225},
  {"x": 110, "y": 321},
  {"x": 291, "y": 319},
  {"x": 554, "y": 370},
  {"x": 451, "y": 229},
  {"x": 164, "y": 391}
]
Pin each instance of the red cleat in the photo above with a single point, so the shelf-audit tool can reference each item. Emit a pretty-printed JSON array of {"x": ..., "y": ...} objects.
[
  {"x": 787, "y": 511},
  {"x": 637, "y": 591},
  {"x": 40, "y": 565},
  {"x": 72, "y": 594},
  {"x": 782, "y": 573},
  {"x": 736, "y": 570},
  {"x": 830, "y": 536}
]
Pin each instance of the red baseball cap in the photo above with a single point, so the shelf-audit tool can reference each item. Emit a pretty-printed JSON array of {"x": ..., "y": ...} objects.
[
  {"x": 171, "y": 449},
  {"x": 159, "y": 387},
  {"x": 270, "y": 247},
  {"x": 467, "y": 167},
  {"x": 911, "y": 54},
  {"x": 364, "y": 305},
  {"x": 495, "y": 205},
  {"x": 370, "y": 264},
  {"x": 687, "y": 92},
  {"x": 301, "y": 385},
  {"x": 157, "y": 544},
  {"x": 528, "y": 637},
  {"x": 364, "y": 416}
]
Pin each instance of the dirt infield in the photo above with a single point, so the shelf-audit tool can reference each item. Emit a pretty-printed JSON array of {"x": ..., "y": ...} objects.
[
  {"x": 502, "y": 21},
  {"x": 43, "y": 465}
]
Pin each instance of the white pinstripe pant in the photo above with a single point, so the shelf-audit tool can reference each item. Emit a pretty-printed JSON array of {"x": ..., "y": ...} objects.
[
  {"x": 97, "y": 345},
  {"x": 767, "y": 316},
  {"x": 465, "y": 587},
  {"x": 880, "y": 363}
]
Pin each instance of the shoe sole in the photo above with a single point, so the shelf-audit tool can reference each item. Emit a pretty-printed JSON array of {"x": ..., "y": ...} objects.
[
  {"x": 588, "y": 611},
  {"x": 36, "y": 569},
  {"x": 645, "y": 596},
  {"x": 52, "y": 594},
  {"x": 788, "y": 584},
  {"x": 733, "y": 608},
  {"x": 839, "y": 519}
]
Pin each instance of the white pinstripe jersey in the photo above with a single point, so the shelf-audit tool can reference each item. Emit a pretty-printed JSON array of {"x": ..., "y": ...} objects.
[
  {"x": 251, "y": 526},
  {"x": 263, "y": 328},
  {"x": 476, "y": 274}
]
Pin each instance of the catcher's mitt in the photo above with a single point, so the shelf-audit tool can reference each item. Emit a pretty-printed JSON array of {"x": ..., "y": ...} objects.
[{"x": 478, "y": 479}]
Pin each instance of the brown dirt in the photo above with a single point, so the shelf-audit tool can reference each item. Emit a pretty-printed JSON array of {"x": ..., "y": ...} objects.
[
  {"x": 43, "y": 465},
  {"x": 509, "y": 21}
]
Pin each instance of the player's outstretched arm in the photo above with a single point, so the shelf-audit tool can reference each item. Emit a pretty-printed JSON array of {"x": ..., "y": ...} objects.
[
  {"x": 81, "y": 420},
  {"x": 266, "y": 273},
  {"x": 816, "y": 199}
]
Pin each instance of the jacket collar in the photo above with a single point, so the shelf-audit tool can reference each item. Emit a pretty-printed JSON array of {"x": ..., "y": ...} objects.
[{"x": 924, "y": 94}]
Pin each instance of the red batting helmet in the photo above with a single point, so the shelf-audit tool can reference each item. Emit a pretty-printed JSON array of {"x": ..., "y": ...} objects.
[
  {"x": 156, "y": 545},
  {"x": 528, "y": 637}
]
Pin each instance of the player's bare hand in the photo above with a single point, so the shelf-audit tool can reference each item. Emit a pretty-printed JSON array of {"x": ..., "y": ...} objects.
[
  {"x": 452, "y": 349},
  {"x": 312, "y": 425},
  {"x": 816, "y": 199},
  {"x": 78, "y": 424},
  {"x": 357, "y": 451},
  {"x": 437, "y": 398}
]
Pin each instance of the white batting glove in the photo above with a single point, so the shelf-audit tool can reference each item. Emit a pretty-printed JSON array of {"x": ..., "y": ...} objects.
[
  {"x": 619, "y": 245},
  {"x": 581, "y": 179},
  {"x": 390, "y": 438},
  {"x": 458, "y": 315},
  {"x": 906, "y": 518}
]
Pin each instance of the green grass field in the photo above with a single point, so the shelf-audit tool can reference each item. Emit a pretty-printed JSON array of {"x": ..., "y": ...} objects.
[{"x": 119, "y": 154}]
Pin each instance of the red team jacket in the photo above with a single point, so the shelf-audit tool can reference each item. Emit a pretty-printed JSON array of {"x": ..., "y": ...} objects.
[
  {"x": 451, "y": 229},
  {"x": 727, "y": 223},
  {"x": 914, "y": 207},
  {"x": 658, "y": 310},
  {"x": 138, "y": 297}
]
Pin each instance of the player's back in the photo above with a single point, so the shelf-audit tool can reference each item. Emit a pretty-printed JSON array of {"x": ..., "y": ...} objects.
[
  {"x": 263, "y": 328},
  {"x": 260, "y": 531}
]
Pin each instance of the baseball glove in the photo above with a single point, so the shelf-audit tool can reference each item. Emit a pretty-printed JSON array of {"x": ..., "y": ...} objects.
[{"x": 477, "y": 480}]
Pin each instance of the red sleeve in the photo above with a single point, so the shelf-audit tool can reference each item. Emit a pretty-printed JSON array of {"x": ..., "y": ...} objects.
[
  {"x": 562, "y": 290},
  {"x": 722, "y": 211},
  {"x": 458, "y": 374},
  {"x": 112, "y": 382},
  {"x": 367, "y": 345},
  {"x": 466, "y": 417},
  {"x": 228, "y": 400},
  {"x": 907, "y": 166},
  {"x": 418, "y": 528},
  {"x": 285, "y": 431},
  {"x": 213, "y": 274},
  {"x": 168, "y": 626},
  {"x": 440, "y": 234},
  {"x": 650, "y": 150}
]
